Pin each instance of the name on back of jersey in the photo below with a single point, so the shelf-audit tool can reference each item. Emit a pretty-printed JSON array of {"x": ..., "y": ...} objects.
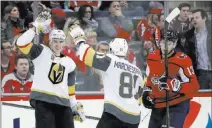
[{"x": 126, "y": 67}]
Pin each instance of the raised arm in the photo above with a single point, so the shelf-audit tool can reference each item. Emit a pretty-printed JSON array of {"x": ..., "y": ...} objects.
[
  {"x": 25, "y": 45},
  {"x": 24, "y": 42},
  {"x": 86, "y": 53}
]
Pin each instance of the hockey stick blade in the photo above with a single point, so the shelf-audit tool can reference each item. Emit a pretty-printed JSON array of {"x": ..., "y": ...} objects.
[
  {"x": 172, "y": 15},
  {"x": 30, "y": 108}
]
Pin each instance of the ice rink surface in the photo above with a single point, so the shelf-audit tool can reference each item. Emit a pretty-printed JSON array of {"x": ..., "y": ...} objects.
[{"x": 94, "y": 108}]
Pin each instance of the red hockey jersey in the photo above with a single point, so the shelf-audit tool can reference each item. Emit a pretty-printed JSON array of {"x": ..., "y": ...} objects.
[
  {"x": 67, "y": 51},
  {"x": 12, "y": 84},
  {"x": 179, "y": 67}
]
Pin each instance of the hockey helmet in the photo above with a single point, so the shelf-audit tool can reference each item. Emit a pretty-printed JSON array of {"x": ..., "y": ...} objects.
[
  {"x": 119, "y": 47},
  {"x": 56, "y": 34}
]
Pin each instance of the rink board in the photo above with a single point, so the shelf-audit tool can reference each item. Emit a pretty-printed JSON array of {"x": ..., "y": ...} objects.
[{"x": 200, "y": 114}]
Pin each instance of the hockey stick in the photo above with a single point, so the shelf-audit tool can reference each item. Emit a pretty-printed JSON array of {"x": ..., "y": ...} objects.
[
  {"x": 169, "y": 18},
  {"x": 30, "y": 108}
]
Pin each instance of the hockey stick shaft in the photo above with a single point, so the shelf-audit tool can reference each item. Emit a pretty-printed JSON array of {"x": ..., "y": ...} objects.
[
  {"x": 30, "y": 108},
  {"x": 166, "y": 11}
]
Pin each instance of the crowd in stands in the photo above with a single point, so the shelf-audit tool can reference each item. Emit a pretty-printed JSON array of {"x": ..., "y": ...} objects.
[{"x": 139, "y": 22}]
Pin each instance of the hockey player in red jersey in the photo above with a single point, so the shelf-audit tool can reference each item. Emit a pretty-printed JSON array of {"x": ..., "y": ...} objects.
[{"x": 181, "y": 84}]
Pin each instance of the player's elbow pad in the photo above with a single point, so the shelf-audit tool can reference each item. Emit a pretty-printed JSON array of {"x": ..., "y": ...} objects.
[{"x": 26, "y": 38}]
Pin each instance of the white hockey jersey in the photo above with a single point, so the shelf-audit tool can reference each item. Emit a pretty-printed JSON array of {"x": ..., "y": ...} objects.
[{"x": 121, "y": 81}]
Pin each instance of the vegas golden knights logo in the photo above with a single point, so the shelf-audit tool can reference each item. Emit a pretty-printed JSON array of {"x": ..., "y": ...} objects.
[{"x": 56, "y": 73}]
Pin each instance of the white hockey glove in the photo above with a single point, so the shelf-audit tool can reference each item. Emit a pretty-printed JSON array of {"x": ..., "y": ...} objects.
[
  {"x": 176, "y": 85},
  {"x": 77, "y": 34},
  {"x": 78, "y": 112},
  {"x": 42, "y": 22}
]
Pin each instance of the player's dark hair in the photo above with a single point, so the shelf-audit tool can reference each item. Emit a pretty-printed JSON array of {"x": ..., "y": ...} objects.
[
  {"x": 203, "y": 13},
  {"x": 21, "y": 56},
  {"x": 184, "y": 5}
]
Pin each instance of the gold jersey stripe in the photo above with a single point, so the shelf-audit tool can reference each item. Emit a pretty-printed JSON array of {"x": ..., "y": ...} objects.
[
  {"x": 71, "y": 89},
  {"x": 25, "y": 49},
  {"x": 88, "y": 57}
]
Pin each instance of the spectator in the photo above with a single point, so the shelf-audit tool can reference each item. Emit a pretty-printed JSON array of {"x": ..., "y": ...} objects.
[
  {"x": 116, "y": 25},
  {"x": 86, "y": 17},
  {"x": 199, "y": 47},
  {"x": 150, "y": 24},
  {"x": 156, "y": 4},
  {"x": 148, "y": 46},
  {"x": 7, "y": 59},
  {"x": 102, "y": 47},
  {"x": 19, "y": 81},
  {"x": 93, "y": 78},
  {"x": 11, "y": 24},
  {"x": 75, "y": 5},
  {"x": 161, "y": 22},
  {"x": 182, "y": 22}
]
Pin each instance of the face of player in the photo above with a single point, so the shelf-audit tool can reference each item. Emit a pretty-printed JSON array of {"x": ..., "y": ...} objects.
[
  {"x": 184, "y": 13},
  {"x": 87, "y": 13},
  {"x": 57, "y": 46},
  {"x": 198, "y": 22},
  {"x": 22, "y": 67},
  {"x": 7, "y": 49},
  {"x": 14, "y": 12},
  {"x": 171, "y": 46},
  {"x": 115, "y": 6},
  {"x": 103, "y": 48}
]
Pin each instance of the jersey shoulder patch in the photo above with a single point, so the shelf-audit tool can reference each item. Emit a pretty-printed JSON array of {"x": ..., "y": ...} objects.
[{"x": 182, "y": 59}]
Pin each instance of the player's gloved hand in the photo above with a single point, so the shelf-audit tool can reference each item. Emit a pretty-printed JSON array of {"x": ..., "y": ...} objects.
[
  {"x": 42, "y": 22},
  {"x": 78, "y": 112},
  {"x": 148, "y": 101},
  {"x": 77, "y": 34},
  {"x": 176, "y": 85}
]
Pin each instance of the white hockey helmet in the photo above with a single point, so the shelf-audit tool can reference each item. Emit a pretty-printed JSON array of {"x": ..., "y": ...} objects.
[
  {"x": 56, "y": 34},
  {"x": 119, "y": 47}
]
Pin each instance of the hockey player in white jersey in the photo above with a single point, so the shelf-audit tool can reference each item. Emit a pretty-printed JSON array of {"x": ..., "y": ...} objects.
[
  {"x": 53, "y": 86},
  {"x": 121, "y": 81}
]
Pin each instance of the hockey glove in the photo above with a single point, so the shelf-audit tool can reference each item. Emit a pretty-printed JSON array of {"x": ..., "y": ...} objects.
[
  {"x": 42, "y": 22},
  {"x": 77, "y": 34},
  {"x": 148, "y": 102},
  {"x": 176, "y": 85},
  {"x": 78, "y": 112}
]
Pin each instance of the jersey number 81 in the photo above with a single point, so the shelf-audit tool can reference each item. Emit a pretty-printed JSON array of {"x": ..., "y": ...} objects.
[{"x": 127, "y": 81}]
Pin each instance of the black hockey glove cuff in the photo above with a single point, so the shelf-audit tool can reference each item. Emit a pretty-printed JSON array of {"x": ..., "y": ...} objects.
[{"x": 148, "y": 102}]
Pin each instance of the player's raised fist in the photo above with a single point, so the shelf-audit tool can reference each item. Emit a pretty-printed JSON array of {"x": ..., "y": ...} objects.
[
  {"x": 42, "y": 22},
  {"x": 77, "y": 34}
]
